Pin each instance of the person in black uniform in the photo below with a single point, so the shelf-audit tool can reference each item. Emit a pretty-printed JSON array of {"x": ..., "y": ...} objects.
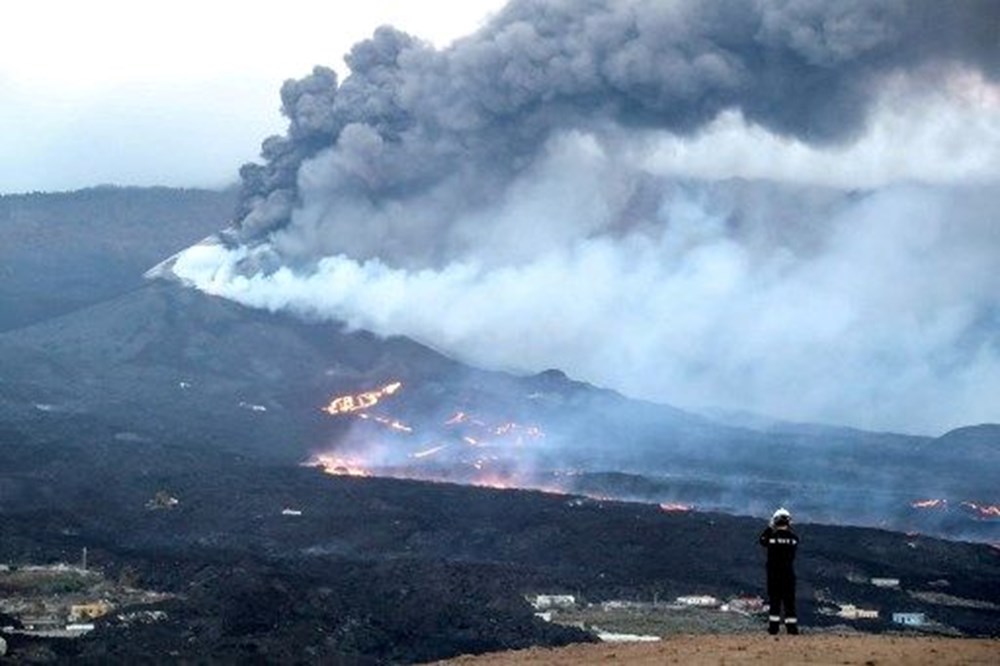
[{"x": 781, "y": 543}]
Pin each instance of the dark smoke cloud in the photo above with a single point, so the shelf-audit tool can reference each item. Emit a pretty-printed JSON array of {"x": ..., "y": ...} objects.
[
  {"x": 409, "y": 119},
  {"x": 786, "y": 207}
]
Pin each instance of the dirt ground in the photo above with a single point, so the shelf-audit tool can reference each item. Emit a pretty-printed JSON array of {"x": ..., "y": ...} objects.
[{"x": 864, "y": 650}]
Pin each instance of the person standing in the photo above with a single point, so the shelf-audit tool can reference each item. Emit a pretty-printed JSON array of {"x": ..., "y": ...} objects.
[{"x": 781, "y": 543}]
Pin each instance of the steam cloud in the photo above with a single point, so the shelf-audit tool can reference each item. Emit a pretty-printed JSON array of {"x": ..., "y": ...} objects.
[{"x": 702, "y": 203}]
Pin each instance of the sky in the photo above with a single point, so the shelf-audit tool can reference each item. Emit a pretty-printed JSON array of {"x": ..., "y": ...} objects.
[
  {"x": 625, "y": 184},
  {"x": 176, "y": 93}
]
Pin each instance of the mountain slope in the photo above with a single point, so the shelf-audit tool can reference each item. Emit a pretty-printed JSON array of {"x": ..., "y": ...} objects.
[
  {"x": 166, "y": 364},
  {"x": 63, "y": 251}
]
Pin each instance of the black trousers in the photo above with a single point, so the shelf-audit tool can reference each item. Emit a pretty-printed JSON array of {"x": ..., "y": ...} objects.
[{"x": 781, "y": 600}]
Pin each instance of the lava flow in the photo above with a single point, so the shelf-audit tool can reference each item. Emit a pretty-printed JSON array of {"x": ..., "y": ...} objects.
[
  {"x": 338, "y": 466},
  {"x": 930, "y": 504},
  {"x": 983, "y": 510},
  {"x": 347, "y": 404}
]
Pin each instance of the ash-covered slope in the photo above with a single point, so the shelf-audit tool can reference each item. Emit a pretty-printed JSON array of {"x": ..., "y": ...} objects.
[
  {"x": 62, "y": 251},
  {"x": 164, "y": 357},
  {"x": 283, "y": 564},
  {"x": 165, "y": 365}
]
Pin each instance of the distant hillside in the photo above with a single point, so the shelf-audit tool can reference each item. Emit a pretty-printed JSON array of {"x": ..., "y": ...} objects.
[{"x": 63, "y": 251}]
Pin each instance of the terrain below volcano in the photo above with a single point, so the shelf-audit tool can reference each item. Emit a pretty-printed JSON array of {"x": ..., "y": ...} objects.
[{"x": 818, "y": 649}]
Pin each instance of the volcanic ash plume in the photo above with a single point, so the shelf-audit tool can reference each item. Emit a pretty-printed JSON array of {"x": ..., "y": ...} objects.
[{"x": 695, "y": 202}]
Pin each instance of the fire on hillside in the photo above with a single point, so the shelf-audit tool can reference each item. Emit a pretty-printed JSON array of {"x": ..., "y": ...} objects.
[
  {"x": 983, "y": 510},
  {"x": 930, "y": 504},
  {"x": 393, "y": 434},
  {"x": 977, "y": 510},
  {"x": 462, "y": 448},
  {"x": 346, "y": 404}
]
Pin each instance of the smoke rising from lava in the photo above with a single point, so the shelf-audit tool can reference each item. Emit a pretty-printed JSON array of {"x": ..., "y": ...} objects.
[{"x": 693, "y": 202}]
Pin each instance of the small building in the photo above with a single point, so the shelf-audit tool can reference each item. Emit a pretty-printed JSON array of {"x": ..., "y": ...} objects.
[
  {"x": 79, "y": 628},
  {"x": 748, "y": 605},
  {"x": 89, "y": 611},
  {"x": 622, "y": 604},
  {"x": 700, "y": 600},
  {"x": 548, "y": 601},
  {"x": 885, "y": 582},
  {"x": 909, "y": 619},
  {"x": 852, "y": 612},
  {"x": 162, "y": 500}
]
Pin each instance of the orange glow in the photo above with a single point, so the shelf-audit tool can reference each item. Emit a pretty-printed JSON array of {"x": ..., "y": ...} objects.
[
  {"x": 346, "y": 404},
  {"x": 984, "y": 510},
  {"x": 337, "y": 466},
  {"x": 930, "y": 504}
]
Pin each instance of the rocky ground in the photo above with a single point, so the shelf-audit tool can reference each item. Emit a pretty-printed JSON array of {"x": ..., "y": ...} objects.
[
  {"x": 391, "y": 571},
  {"x": 863, "y": 650}
]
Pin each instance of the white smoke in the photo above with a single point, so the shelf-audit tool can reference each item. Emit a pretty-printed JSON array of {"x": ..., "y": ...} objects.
[
  {"x": 877, "y": 308},
  {"x": 788, "y": 209}
]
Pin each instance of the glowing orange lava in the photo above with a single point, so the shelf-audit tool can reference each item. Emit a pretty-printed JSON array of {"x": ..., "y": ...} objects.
[
  {"x": 346, "y": 404},
  {"x": 984, "y": 510},
  {"x": 338, "y": 466}
]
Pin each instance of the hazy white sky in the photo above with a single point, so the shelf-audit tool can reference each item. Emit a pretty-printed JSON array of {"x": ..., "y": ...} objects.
[{"x": 172, "y": 93}]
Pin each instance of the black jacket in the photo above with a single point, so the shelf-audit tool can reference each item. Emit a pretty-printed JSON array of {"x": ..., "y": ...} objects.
[{"x": 781, "y": 545}]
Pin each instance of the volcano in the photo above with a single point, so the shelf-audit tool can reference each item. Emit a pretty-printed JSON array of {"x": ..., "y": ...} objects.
[
  {"x": 164, "y": 363},
  {"x": 207, "y": 450}
]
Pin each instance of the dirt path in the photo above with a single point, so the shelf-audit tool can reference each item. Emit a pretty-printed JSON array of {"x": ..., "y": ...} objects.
[{"x": 863, "y": 650}]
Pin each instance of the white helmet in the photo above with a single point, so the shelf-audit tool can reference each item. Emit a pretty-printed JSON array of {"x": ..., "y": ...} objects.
[{"x": 781, "y": 517}]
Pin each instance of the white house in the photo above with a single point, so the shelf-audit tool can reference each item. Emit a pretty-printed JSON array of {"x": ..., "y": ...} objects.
[
  {"x": 852, "y": 612},
  {"x": 909, "y": 619},
  {"x": 702, "y": 600},
  {"x": 547, "y": 601},
  {"x": 885, "y": 582}
]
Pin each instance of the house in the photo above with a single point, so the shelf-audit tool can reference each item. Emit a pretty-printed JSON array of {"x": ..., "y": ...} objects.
[
  {"x": 547, "y": 601},
  {"x": 852, "y": 612},
  {"x": 89, "y": 611},
  {"x": 885, "y": 582},
  {"x": 745, "y": 605},
  {"x": 700, "y": 600},
  {"x": 909, "y": 619}
]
